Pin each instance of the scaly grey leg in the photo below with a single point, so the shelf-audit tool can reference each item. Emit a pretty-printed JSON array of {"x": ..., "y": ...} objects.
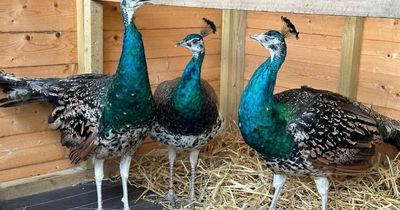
[
  {"x": 278, "y": 183},
  {"x": 124, "y": 172},
  {"x": 171, "y": 192},
  {"x": 323, "y": 189},
  {"x": 194, "y": 154},
  {"x": 99, "y": 175}
]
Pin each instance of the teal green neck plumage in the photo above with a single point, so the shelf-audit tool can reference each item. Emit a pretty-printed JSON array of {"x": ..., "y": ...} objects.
[
  {"x": 129, "y": 99},
  {"x": 262, "y": 120},
  {"x": 187, "y": 98}
]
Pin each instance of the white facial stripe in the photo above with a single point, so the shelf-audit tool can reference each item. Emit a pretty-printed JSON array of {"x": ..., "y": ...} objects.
[
  {"x": 192, "y": 40},
  {"x": 196, "y": 48}
]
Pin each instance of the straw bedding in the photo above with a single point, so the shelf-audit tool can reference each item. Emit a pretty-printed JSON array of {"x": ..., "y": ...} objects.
[{"x": 231, "y": 176}]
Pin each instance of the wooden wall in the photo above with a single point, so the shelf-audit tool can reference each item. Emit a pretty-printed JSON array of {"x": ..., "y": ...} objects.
[
  {"x": 162, "y": 27},
  {"x": 379, "y": 84},
  {"x": 37, "y": 38},
  {"x": 314, "y": 59}
]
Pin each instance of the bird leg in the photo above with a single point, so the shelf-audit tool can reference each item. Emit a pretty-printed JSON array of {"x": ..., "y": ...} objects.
[
  {"x": 278, "y": 182},
  {"x": 99, "y": 175},
  {"x": 124, "y": 172},
  {"x": 171, "y": 193},
  {"x": 323, "y": 188},
  {"x": 194, "y": 154}
]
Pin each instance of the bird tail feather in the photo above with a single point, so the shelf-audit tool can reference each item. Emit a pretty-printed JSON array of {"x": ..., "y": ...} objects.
[{"x": 17, "y": 90}]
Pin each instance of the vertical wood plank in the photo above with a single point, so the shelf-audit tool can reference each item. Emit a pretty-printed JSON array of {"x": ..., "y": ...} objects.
[
  {"x": 90, "y": 36},
  {"x": 80, "y": 28},
  {"x": 350, "y": 60},
  {"x": 90, "y": 41},
  {"x": 232, "y": 62}
]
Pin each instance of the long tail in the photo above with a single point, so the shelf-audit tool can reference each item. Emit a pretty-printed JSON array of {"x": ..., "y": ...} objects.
[{"x": 17, "y": 89}]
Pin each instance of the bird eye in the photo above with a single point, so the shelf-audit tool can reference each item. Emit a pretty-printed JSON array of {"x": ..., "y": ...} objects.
[{"x": 195, "y": 41}]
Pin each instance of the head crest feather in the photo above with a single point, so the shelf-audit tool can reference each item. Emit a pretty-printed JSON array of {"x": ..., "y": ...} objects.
[
  {"x": 209, "y": 27},
  {"x": 288, "y": 28}
]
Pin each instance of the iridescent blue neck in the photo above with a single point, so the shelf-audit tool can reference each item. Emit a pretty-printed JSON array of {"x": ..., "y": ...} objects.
[
  {"x": 129, "y": 99},
  {"x": 262, "y": 83},
  {"x": 188, "y": 93},
  {"x": 260, "y": 118},
  {"x": 132, "y": 62}
]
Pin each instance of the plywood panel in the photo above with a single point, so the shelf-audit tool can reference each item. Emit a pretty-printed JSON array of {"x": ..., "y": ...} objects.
[
  {"x": 160, "y": 17},
  {"x": 36, "y": 49},
  {"x": 158, "y": 43},
  {"x": 310, "y": 48},
  {"x": 34, "y": 170},
  {"x": 37, "y": 15}
]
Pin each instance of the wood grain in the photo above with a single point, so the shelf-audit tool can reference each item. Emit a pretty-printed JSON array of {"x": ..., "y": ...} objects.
[
  {"x": 380, "y": 57},
  {"x": 316, "y": 49},
  {"x": 14, "y": 143},
  {"x": 295, "y": 74},
  {"x": 90, "y": 36},
  {"x": 158, "y": 43},
  {"x": 379, "y": 89},
  {"x": 24, "y": 119},
  {"x": 383, "y": 29},
  {"x": 37, "y": 15},
  {"x": 167, "y": 64},
  {"x": 37, "y": 49},
  {"x": 232, "y": 62},
  {"x": 31, "y": 156},
  {"x": 160, "y": 17},
  {"x": 44, "y": 71},
  {"x": 350, "y": 59},
  {"x": 34, "y": 170}
]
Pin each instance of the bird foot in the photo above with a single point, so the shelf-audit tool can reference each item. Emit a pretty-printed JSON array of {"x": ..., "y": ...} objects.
[{"x": 172, "y": 198}]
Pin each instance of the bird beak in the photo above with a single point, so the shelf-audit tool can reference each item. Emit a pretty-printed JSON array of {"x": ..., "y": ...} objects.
[
  {"x": 257, "y": 37},
  {"x": 181, "y": 43}
]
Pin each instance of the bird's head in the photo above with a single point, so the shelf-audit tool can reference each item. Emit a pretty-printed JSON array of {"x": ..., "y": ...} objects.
[
  {"x": 274, "y": 41},
  {"x": 195, "y": 42},
  {"x": 128, "y": 8},
  {"x": 271, "y": 40}
]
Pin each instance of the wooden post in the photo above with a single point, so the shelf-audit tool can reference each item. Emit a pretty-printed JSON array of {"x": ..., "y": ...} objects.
[
  {"x": 90, "y": 41},
  {"x": 232, "y": 61},
  {"x": 350, "y": 60},
  {"x": 90, "y": 36}
]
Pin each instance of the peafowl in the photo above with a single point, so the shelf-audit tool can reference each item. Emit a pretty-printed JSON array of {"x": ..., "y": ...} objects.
[
  {"x": 99, "y": 116},
  {"x": 187, "y": 112},
  {"x": 308, "y": 132}
]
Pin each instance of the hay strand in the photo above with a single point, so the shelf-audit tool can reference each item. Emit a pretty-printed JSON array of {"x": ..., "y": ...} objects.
[{"x": 231, "y": 176}]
